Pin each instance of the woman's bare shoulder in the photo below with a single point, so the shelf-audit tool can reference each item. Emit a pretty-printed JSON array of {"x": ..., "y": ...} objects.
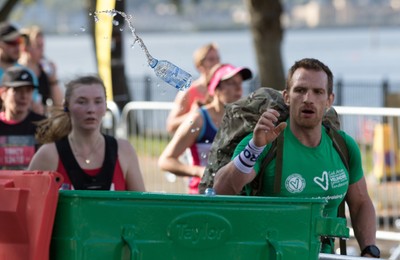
[
  {"x": 46, "y": 158},
  {"x": 124, "y": 144}
]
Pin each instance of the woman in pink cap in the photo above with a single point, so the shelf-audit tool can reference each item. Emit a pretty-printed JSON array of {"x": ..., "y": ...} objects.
[
  {"x": 198, "y": 130},
  {"x": 204, "y": 59}
]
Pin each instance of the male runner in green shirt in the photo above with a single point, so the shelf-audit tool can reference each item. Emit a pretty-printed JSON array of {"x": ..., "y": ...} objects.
[{"x": 311, "y": 165}]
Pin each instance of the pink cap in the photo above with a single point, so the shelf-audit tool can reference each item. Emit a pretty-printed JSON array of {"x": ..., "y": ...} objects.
[{"x": 224, "y": 72}]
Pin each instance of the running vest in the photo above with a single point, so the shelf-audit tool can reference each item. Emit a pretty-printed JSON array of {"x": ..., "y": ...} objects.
[
  {"x": 79, "y": 179},
  {"x": 201, "y": 149}
]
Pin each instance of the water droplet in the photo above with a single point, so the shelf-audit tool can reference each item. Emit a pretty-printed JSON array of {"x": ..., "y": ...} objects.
[
  {"x": 170, "y": 177},
  {"x": 192, "y": 130},
  {"x": 207, "y": 141},
  {"x": 115, "y": 23},
  {"x": 203, "y": 155},
  {"x": 121, "y": 29},
  {"x": 82, "y": 28},
  {"x": 209, "y": 192}
]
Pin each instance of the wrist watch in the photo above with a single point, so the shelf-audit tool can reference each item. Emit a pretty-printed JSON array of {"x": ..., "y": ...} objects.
[{"x": 371, "y": 250}]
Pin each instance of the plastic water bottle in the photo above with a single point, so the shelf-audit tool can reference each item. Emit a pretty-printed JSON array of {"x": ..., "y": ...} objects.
[
  {"x": 171, "y": 74},
  {"x": 210, "y": 192}
]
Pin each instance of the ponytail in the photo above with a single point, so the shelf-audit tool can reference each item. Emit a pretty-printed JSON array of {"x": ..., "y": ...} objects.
[{"x": 54, "y": 128}]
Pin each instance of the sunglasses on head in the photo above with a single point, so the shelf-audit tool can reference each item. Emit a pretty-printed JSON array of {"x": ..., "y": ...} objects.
[{"x": 14, "y": 42}]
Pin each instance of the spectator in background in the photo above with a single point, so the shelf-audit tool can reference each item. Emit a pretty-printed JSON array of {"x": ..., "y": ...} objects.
[
  {"x": 199, "y": 128},
  {"x": 10, "y": 40},
  {"x": 75, "y": 147},
  {"x": 17, "y": 121},
  {"x": 32, "y": 56},
  {"x": 204, "y": 58}
]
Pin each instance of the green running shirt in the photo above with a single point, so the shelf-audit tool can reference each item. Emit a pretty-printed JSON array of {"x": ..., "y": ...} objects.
[{"x": 311, "y": 172}]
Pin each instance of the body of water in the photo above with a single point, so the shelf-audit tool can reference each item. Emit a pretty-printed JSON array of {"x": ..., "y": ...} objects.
[{"x": 356, "y": 53}]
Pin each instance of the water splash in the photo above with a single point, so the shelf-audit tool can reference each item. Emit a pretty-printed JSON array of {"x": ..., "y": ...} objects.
[
  {"x": 167, "y": 71},
  {"x": 128, "y": 19}
]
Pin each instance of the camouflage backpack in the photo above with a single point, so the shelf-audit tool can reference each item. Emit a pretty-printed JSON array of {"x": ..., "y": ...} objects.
[{"x": 240, "y": 119}]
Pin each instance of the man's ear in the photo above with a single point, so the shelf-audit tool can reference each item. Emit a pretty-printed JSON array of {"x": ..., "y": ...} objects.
[
  {"x": 330, "y": 100},
  {"x": 285, "y": 95}
]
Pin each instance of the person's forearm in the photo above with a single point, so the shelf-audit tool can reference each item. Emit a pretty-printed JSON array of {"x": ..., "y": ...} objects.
[
  {"x": 364, "y": 225},
  {"x": 56, "y": 95},
  {"x": 230, "y": 181},
  {"x": 174, "y": 166},
  {"x": 174, "y": 122}
]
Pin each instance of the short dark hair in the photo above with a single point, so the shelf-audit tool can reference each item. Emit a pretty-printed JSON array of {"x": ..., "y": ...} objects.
[{"x": 311, "y": 64}]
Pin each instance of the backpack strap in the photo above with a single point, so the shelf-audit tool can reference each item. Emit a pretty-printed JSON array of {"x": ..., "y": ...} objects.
[
  {"x": 341, "y": 148},
  {"x": 257, "y": 182},
  {"x": 276, "y": 150},
  {"x": 79, "y": 179},
  {"x": 278, "y": 164}
]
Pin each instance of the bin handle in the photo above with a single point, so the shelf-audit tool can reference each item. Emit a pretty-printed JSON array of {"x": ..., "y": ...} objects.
[
  {"x": 274, "y": 244},
  {"x": 129, "y": 238}
]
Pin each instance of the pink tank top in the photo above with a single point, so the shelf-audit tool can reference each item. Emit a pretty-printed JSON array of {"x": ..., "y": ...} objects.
[{"x": 195, "y": 94}]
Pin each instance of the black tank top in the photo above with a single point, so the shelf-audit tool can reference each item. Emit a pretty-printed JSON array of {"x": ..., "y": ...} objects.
[{"x": 79, "y": 179}]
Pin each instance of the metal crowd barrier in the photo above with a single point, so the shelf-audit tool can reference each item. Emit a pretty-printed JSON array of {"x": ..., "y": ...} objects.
[
  {"x": 111, "y": 119},
  {"x": 342, "y": 257},
  {"x": 143, "y": 123}
]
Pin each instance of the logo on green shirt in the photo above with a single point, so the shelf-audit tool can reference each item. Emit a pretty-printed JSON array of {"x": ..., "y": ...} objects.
[
  {"x": 295, "y": 183},
  {"x": 322, "y": 182}
]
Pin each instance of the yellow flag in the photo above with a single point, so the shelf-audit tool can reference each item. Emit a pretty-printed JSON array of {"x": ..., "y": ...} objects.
[{"x": 103, "y": 37}]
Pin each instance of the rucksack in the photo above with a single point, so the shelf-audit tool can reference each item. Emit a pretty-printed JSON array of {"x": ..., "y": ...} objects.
[{"x": 240, "y": 119}]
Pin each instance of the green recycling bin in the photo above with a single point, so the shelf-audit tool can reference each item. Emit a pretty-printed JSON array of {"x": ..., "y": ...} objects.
[{"x": 131, "y": 225}]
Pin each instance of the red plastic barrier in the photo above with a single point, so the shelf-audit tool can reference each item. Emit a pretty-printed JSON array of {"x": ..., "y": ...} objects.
[{"x": 28, "y": 202}]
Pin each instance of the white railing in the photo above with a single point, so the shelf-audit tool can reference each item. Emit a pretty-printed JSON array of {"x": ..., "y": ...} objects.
[
  {"x": 375, "y": 129},
  {"x": 341, "y": 257}
]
